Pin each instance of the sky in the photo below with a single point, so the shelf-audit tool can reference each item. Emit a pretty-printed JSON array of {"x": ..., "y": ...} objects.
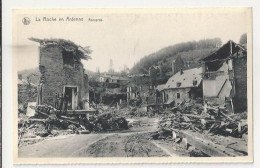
[{"x": 124, "y": 36}]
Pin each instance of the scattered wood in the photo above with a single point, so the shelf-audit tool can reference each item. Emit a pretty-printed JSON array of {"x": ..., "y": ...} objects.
[{"x": 192, "y": 116}]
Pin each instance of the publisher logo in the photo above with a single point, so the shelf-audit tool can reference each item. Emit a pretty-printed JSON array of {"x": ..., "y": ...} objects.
[{"x": 26, "y": 21}]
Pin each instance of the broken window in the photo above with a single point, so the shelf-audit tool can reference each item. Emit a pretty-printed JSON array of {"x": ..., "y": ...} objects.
[
  {"x": 178, "y": 84},
  {"x": 67, "y": 58},
  {"x": 178, "y": 95}
]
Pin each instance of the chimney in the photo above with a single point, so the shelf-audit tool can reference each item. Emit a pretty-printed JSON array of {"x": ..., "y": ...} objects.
[
  {"x": 181, "y": 72},
  {"x": 20, "y": 76}
]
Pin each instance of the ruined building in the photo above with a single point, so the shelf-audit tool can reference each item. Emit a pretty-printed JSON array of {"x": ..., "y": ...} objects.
[
  {"x": 62, "y": 73},
  {"x": 179, "y": 63},
  {"x": 225, "y": 77},
  {"x": 155, "y": 72}
]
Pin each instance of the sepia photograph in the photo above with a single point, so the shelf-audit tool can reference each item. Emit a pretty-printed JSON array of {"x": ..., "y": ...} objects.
[{"x": 132, "y": 85}]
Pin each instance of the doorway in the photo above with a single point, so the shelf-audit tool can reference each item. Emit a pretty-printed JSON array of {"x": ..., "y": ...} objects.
[{"x": 71, "y": 94}]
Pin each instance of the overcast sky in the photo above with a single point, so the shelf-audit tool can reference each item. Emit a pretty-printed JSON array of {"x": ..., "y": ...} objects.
[{"x": 126, "y": 38}]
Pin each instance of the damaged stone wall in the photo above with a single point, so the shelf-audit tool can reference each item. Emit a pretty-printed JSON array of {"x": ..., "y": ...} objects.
[
  {"x": 56, "y": 75},
  {"x": 240, "y": 73}
]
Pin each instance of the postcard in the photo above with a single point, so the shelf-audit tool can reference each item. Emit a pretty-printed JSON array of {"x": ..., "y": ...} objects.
[{"x": 132, "y": 85}]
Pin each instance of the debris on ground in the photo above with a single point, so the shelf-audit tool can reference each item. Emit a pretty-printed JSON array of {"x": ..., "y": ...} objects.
[
  {"x": 109, "y": 122},
  {"x": 215, "y": 120},
  {"x": 209, "y": 131},
  {"x": 49, "y": 122}
]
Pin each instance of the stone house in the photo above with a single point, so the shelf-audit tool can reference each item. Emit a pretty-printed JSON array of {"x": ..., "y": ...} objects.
[
  {"x": 138, "y": 86},
  {"x": 178, "y": 63},
  {"x": 225, "y": 77},
  {"x": 155, "y": 72},
  {"x": 62, "y": 73},
  {"x": 184, "y": 85}
]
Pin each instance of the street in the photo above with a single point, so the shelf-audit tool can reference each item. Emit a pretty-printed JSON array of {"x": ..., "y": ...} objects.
[{"x": 135, "y": 142}]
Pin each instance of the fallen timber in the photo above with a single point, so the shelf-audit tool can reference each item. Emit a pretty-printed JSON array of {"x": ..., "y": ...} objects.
[
  {"x": 204, "y": 145},
  {"x": 49, "y": 121},
  {"x": 211, "y": 132}
]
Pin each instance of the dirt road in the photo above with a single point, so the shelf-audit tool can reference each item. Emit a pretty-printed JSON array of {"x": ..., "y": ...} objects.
[{"x": 135, "y": 142}]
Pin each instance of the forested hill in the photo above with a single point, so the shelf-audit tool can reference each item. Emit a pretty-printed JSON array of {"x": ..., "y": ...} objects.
[{"x": 189, "y": 51}]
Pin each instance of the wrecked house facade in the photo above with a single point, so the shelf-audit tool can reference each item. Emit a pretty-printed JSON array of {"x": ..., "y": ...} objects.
[
  {"x": 182, "y": 86},
  {"x": 138, "y": 86},
  {"x": 178, "y": 63},
  {"x": 62, "y": 73},
  {"x": 225, "y": 77}
]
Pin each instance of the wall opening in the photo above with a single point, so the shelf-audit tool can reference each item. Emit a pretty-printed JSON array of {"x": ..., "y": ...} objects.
[
  {"x": 67, "y": 58},
  {"x": 71, "y": 97}
]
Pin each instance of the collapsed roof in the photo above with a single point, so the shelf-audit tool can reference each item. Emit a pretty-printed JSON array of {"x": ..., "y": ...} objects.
[
  {"x": 224, "y": 52},
  {"x": 78, "y": 52}
]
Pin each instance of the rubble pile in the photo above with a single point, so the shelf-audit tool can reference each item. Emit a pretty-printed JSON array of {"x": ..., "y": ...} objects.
[
  {"x": 132, "y": 112},
  {"x": 210, "y": 120},
  {"x": 49, "y": 121},
  {"x": 137, "y": 112}
]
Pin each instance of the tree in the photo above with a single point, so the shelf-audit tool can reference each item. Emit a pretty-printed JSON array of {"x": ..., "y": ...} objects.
[{"x": 243, "y": 39}]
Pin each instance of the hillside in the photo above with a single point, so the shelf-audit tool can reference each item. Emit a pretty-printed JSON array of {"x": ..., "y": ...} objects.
[
  {"x": 189, "y": 51},
  {"x": 192, "y": 56}
]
